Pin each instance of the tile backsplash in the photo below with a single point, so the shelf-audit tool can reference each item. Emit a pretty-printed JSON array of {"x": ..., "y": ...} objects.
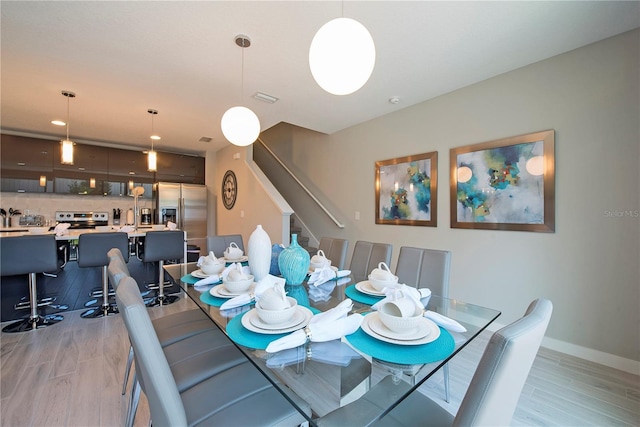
[{"x": 48, "y": 204}]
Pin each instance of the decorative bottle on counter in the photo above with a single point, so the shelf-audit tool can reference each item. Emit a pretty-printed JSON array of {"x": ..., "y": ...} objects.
[
  {"x": 294, "y": 262},
  {"x": 259, "y": 253}
]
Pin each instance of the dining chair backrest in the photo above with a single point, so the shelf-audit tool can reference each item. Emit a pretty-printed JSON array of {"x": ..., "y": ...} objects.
[
  {"x": 424, "y": 268},
  {"x": 165, "y": 404},
  {"x": 366, "y": 256},
  {"x": 115, "y": 255},
  {"x": 335, "y": 250},
  {"x": 219, "y": 244},
  {"x": 28, "y": 254},
  {"x": 116, "y": 273},
  {"x": 496, "y": 386},
  {"x": 163, "y": 245}
]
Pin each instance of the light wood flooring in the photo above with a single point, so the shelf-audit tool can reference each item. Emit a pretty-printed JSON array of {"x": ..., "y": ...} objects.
[{"x": 70, "y": 374}]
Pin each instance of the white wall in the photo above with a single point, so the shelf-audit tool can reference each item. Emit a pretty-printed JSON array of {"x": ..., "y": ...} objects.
[
  {"x": 253, "y": 205},
  {"x": 589, "y": 267}
]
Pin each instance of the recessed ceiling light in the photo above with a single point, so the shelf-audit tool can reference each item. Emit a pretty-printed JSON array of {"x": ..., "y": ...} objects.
[
  {"x": 394, "y": 100},
  {"x": 265, "y": 98},
  {"x": 58, "y": 122}
]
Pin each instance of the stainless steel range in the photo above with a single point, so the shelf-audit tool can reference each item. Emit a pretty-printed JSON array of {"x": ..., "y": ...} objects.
[{"x": 83, "y": 219}]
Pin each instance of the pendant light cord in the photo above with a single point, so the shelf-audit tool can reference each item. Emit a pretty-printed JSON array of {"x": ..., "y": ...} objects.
[{"x": 68, "y": 117}]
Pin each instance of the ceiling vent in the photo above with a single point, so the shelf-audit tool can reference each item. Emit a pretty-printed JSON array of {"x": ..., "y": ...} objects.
[
  {"x": 265, "y": 98},
  {"x": 205, "y": 139}
]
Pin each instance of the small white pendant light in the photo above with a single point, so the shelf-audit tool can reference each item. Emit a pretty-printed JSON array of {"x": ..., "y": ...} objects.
[
  {"x": 342, "y": 56},
  {"x": 152, "y": 156},
  {"x": 67, "y": 144},
  {"x": 239, "y": 124}
]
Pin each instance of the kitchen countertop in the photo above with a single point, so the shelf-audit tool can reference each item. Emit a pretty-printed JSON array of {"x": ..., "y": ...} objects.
[{"x": 72, "y": 235}]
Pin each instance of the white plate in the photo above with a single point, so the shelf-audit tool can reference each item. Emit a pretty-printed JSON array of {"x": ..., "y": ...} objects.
[
  {"x": 249, "y": 318},
  {"x": 367, "y": 288},
  {"x": 296, "y": 319},
  {"x": 219, "y": 291},
  {"x": 201, "y": 274},
  {"x": 228, "y": 294},
  {"x": 241, "y": 259},
  {"x": 311, "y": 270},
  {"x": 434, "y": 332},
  {"x": 422, "y": 330}
]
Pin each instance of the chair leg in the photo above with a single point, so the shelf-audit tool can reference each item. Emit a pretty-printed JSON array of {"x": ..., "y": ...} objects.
[
  {"x": 133, "y": 402},
  {"x": 445, "y": 372},
  {"x": 127, "y": 370},
  {"x": 34, "y": 321}
]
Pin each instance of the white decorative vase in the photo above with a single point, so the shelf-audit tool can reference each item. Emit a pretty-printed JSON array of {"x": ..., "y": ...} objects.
[{"x": 259, "y": 253}]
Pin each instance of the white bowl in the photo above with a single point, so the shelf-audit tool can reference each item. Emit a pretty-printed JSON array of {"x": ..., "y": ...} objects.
[
  {"x": 38, "y": 230},
  {"x": 274, "y": 317},
  {"x": 158, "y": 227},
  {"x": 400, "y": 324},
  {"x": 212, "y": 268},
  {"x": 379, "y": 285},
  {"x": 238, "y": 286}
]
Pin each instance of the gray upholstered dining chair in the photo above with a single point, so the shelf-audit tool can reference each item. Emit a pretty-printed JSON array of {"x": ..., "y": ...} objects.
[
  {"x": 218, "y": 244},
  {"x": 29, "y": 255},
  {"x": 236, "y": 394},
  {"x": 494, "y": 390},
  {"x": 335, "y": 250},
  {"x": 426, "y": 268},
  {"x": 366, "y": 256}
]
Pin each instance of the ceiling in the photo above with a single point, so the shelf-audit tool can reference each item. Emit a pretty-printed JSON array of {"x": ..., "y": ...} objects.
[{"x": 122, "y": 58}]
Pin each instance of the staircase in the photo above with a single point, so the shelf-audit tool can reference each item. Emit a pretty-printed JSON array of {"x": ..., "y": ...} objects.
[{"x": 302, "y": 240}]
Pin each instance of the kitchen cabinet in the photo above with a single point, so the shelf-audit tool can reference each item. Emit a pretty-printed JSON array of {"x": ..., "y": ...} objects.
[{"x": 96, "y": 170}]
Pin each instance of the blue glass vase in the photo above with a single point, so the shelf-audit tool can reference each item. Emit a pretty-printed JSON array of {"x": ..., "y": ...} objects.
[
  {"x": 274, "y": 269},
  {"x": 294, "y": 262}
]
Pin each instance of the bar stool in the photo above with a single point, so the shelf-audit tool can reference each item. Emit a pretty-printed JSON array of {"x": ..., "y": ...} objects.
[
  {"x": 28, "y": 255},
  {"x": 92, "y": 252},
  {"x": 160, "y": 246}
]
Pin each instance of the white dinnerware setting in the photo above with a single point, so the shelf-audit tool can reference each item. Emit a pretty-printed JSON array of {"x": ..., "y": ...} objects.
[{"x": 234, "y": 254}]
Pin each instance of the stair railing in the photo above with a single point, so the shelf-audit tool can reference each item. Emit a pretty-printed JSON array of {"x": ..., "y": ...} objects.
[{"x": 304, "y": 187}]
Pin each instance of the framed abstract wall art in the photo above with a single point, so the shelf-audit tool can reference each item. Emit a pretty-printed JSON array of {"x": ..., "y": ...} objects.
[
  {"x": 406, "y": 190},
  {"x": 507, "y": 184}
]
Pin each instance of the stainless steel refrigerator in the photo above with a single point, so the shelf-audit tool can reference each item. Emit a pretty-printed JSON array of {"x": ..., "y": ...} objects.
[{"x": 186, "y": 205}]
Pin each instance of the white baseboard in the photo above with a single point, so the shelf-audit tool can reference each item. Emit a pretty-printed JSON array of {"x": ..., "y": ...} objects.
[{"x": 595, "y": 356}]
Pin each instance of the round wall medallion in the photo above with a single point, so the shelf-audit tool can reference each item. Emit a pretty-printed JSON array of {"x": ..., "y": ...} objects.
[{"x": 229, "y": 189}]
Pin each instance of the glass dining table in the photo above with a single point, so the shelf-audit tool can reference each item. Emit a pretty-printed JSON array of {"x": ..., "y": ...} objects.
[{"x": 354, "y": 380}]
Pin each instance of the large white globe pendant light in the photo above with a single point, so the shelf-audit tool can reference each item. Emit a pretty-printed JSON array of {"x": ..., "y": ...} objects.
[
  {"x": 342, "y": 56},
  {"x": 239, "y": 124}
]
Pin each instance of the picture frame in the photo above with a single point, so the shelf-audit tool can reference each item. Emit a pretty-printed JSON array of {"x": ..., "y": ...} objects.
[
  {"x": 505, "y": 184},
  {"x": 406, "y": 190}
]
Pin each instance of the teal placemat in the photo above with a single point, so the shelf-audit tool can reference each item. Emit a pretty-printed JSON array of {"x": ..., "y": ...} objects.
[
  {"x": 209, "y": 299},
  {"x": 403, "y": 354},
  {"x": 251, "y": 339},
  {"x": 358, "y": 296},
  {"x": 189, "y": 279}
]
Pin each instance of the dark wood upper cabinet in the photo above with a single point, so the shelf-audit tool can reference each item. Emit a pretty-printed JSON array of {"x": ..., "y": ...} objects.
[{"x": 96, "y": 170}]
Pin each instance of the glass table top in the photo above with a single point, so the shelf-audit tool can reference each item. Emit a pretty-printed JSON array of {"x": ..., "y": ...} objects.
[{"x": 370, "y": 373}]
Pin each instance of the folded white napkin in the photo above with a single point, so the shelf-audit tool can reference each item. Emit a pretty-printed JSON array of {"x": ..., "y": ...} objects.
[
  {"x": 171, "y": 225},
  {"x": 444, "y": 321},
  {"x": 340, "y": 311},
  {"x": 126, "y": 229},
  {"x": 267, "y": 282},
  {"x": 324, "y": 274},
  {"x": 62, "y": 229},
  {"x": 331, "y": 352},
  {"x": 322, "y": 292},
  {"x": 318, "y": 332},
  {"x": 393, "y": 293}
]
